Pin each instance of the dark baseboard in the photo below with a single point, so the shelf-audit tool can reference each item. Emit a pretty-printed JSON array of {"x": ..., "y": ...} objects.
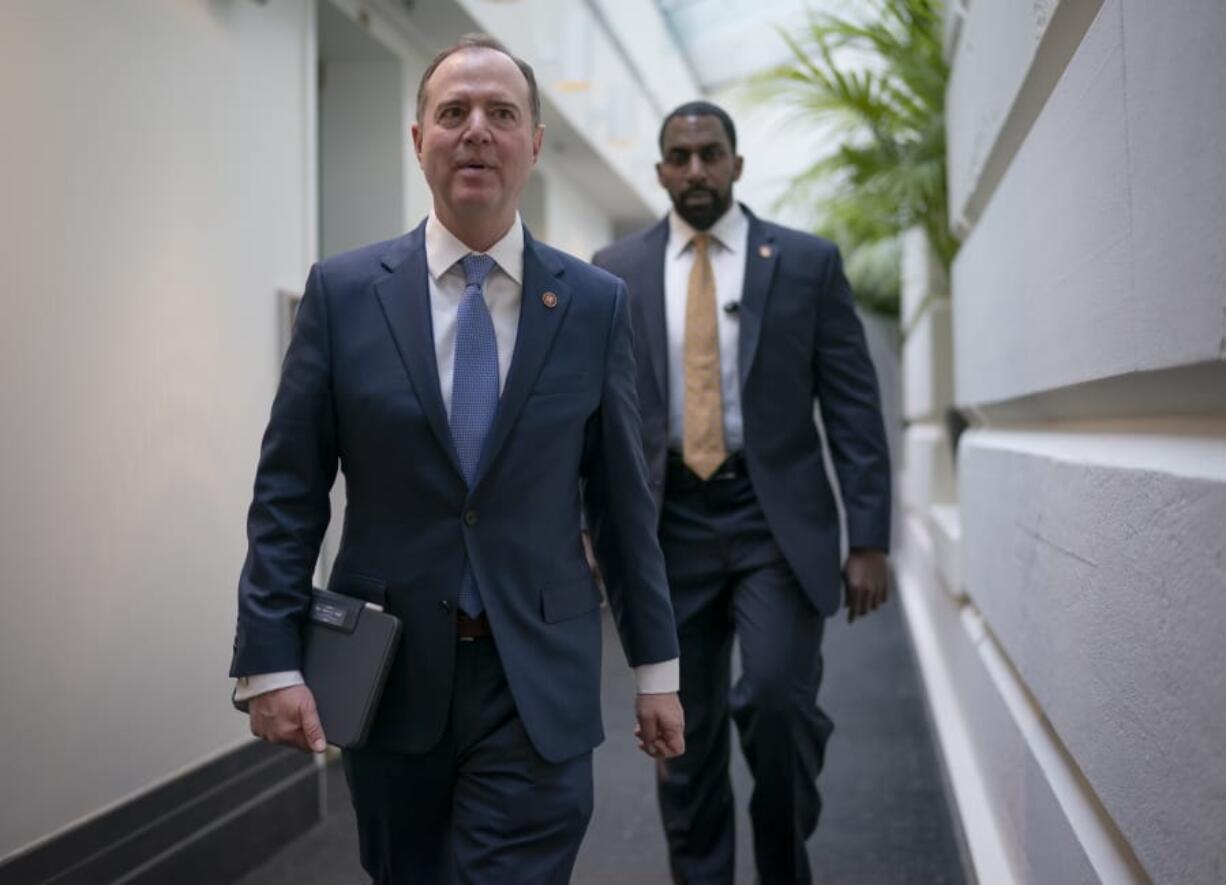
[{"x": 211, "y": 825}]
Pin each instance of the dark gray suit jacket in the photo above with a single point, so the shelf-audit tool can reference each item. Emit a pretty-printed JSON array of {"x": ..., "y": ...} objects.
[
  {"x": 800, "y": 342},
  {"x": 360, "y": 388}
]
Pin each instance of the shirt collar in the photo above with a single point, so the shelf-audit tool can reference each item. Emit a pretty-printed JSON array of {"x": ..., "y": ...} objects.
[
  {"x": 729, "y": 231},
  {"x": 444, "y": 249}
]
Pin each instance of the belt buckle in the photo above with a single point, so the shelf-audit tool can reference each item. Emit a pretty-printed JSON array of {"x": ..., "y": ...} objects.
[{"x": 473, "y": 628}]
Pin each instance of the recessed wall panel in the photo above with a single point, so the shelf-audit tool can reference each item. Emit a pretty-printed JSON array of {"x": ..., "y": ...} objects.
[
  {"x": 927, "y": 354},
  {"x": 1099, "y": 255},
  {"x": 995, "y": 48},
  {"x": 1099, "y": 563},
  {"x": 1043, "y": 286},
  {"x": 1175, "y": 103}
]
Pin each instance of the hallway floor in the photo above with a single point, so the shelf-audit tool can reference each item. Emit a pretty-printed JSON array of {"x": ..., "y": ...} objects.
[{"x": 886, "y": 818}]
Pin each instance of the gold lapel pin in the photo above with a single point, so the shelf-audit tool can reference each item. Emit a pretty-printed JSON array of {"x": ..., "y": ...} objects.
[
  {"x": 549, "y": 300},
  {"x": 764, "y": 250}
]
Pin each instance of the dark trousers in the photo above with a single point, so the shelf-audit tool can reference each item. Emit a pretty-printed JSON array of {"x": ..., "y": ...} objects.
[
  {"x": 728, "y": 578},
  {"x": 482, "y": 806}
]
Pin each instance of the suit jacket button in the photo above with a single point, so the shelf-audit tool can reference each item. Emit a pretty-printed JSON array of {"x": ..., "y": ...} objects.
[
  {"x": 445, "y": 605},
  {"x": 470, "y": 517}
]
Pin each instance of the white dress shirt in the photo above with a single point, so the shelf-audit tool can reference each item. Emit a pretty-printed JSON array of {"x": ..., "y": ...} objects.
[
  {"x": 729, "y": 242},
  {"x": 503, "y": 292}
]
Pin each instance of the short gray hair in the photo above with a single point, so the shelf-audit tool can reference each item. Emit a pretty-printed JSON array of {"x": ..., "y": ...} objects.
[{"x": 481, "y": 41}]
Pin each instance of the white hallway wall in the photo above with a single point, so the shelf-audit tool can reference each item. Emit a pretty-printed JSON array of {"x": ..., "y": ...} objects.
[
  {"x": 158, "y": 192},
  {"x": 574, "y": 222},
  {"x": 1067, "y": 588},
  {"x": 361, "y": 179}
]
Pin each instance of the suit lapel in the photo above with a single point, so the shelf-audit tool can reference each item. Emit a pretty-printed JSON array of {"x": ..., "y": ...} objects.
[
  {"x": 405, "y": 297},
  {"x": 538, "y": 324},
  {"x": 760, "y": 262},
  {"x": 648, "y": 302}
]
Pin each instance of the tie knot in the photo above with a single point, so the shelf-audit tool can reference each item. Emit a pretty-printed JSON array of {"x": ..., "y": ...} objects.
[
  {"x": 701, "y": 241},
  {"x": 476, "y": 268}
]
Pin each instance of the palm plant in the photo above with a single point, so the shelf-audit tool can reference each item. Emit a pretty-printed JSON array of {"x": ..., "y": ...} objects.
[{"x": 887, "y": 172}]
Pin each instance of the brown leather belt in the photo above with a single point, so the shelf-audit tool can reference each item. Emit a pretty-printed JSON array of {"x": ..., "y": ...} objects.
[{"x": 469, "y": 629}]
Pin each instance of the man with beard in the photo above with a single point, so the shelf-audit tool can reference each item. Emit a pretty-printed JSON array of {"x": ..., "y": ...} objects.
[{"x": 740, "y": 327}]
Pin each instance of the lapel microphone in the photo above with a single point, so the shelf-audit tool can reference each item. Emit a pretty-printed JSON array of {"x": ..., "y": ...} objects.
[{"x": 732, "y": 308}]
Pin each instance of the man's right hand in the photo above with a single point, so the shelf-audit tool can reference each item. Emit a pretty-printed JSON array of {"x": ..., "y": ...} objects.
[
  {"x": 287, "y": 716},
  {"x": 661, "y": 725}
]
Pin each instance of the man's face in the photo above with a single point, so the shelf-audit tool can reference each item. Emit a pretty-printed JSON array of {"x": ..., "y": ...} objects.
[
  {"x": 698, "y": 169},
  {"x": 476, "y": 141}
]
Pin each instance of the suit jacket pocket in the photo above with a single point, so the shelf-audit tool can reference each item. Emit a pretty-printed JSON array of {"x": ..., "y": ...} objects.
[
  {"x": 362, "y": 587},
  {"x": 569, "y": 598}
]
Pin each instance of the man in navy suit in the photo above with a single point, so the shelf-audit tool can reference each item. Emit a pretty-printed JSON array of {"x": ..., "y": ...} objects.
[
  {"x": 466, "y": 379},
  {"x": 741, "y": 326}
]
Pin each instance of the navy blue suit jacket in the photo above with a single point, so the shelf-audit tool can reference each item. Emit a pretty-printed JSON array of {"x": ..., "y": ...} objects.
[
  {"x": 800, "y": 342},
  {"x": 359, "y": 388}
]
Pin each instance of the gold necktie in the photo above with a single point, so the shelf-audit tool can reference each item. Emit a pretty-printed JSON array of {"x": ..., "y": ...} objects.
[{"x": 703, "y": 447}]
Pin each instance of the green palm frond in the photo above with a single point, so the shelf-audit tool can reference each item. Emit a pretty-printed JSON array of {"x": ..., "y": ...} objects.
[{"x": 887, "y": 171}]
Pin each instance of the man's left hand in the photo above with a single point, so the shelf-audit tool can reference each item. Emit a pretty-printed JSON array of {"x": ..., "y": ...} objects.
[
  {"x": 867, "y": 577},
  {"x": 661, "y": 728}
]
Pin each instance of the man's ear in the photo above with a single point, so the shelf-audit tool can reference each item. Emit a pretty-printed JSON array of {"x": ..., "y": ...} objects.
[
  {"x": 660, "y": 174},
  {"x": 737, "y": 165},
  {"x": 538, "y": 140},
  {"x": 415, "y": 131}
]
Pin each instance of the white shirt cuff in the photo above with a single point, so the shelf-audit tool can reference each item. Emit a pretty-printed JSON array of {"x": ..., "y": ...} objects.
[
  {"x": 250, "y": 686},
  {"x": 660, "y": 678}
]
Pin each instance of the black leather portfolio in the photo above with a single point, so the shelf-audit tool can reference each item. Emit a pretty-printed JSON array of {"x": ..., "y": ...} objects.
[{"x": 348, "y": 646}]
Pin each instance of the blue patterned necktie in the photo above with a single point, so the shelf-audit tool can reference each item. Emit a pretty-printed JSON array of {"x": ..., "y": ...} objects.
[{"x": 474, "y": 391}]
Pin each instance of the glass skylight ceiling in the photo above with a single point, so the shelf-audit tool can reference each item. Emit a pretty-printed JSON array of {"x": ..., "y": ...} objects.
[{"x": 729, "y": 40}]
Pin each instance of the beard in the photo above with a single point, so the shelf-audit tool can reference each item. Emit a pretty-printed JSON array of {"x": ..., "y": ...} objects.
[{"x": 701, "y": 207}]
